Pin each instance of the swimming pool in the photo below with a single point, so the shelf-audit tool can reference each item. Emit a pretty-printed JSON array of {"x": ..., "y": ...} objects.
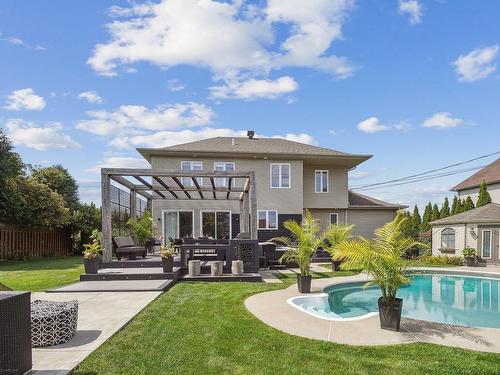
[{"x": 441, "y": 298}]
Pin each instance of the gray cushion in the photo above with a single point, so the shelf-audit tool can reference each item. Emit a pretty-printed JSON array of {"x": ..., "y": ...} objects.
[{"x": 124, "y": 241}]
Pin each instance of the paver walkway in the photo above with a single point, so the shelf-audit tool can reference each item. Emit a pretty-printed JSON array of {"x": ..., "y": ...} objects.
[{"x": 100, "y": 315}]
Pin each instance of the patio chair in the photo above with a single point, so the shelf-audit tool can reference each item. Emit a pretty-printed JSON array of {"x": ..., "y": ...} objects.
[{"x": 125, "y": 247}]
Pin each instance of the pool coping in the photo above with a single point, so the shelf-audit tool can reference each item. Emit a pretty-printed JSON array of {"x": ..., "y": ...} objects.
[{"x": 273, "y": 309}]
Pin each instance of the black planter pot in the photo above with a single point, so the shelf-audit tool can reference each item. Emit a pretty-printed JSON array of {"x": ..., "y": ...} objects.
[
  {"x": 470, "y": 261},
  {"x": 91, "y": 265},
  {"x": 336, "y": 265},
  {"x": 167, "y": 264},
  {"x": 390, "y": 314},
  {"x": 304, "y": 283}
]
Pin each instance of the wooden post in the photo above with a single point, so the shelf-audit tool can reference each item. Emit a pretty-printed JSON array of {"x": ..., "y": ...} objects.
[
  {"x": 106, "y": 216},
  {"x": 253, "y": 206},
  {"x": 133, "y": 204}
]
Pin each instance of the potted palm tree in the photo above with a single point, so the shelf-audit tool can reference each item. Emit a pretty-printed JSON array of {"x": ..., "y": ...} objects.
[
  {"x": 383, "y": 259},
  {"x": 167, "y": 258},
  {"x": 301, "y": 247},
  {"x": 470, "y": 256},
  {"x": 334, "y": 235}
]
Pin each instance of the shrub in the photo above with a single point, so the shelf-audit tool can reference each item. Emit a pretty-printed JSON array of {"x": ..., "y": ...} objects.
[{"x": 443, "y": 259}]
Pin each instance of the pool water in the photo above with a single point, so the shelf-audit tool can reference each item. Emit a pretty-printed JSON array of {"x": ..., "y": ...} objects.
[{"x": 460, "y": 300}]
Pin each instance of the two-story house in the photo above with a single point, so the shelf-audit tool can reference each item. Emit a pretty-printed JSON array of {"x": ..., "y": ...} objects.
[
  {"x": 290, "y": 177},
  {"x": 470, "y": 186}
]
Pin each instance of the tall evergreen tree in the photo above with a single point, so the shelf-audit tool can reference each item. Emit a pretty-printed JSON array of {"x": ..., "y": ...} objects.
[
  {"x": 454, "y": 206},
  {"x": 460, "y": 206},
  {"x": 435, "y": 212},
  {"x": 484, "y": 197},
  {"x": 416, "y": 221},
  {"x": 468, "y": 204},
  {"x": 445, "y": 208},
  {"x": 426, "y": 218}
]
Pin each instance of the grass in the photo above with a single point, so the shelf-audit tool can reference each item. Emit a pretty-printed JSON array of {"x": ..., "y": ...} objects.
[
  {"x": 290, "y": 278},
  {"x": 204, "y": 328},
  {"x": 40, "y": 274}
]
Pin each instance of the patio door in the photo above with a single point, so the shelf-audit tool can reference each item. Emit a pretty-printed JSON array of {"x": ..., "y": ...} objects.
[
  {"x": 216, "y": 224},
  {"x": 177, "y": 224},
  {"x": 489, "y": 249}
]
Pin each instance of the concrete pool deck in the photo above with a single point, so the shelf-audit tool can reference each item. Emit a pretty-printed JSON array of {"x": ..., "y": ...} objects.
[{"x": 273, "y": 309}]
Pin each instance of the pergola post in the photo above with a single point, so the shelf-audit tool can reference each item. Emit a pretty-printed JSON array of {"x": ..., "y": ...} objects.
[
  {"x": 106, "y": 216},
  {"x": 133, "y": 204},
  {"x": 244, "y": 214},
  {"x": 253, "y": 206}
]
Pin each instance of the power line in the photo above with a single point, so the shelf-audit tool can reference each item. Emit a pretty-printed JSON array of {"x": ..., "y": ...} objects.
[
  {"x": 410, "y": 177},
  {"x": 424, "y": 178}
]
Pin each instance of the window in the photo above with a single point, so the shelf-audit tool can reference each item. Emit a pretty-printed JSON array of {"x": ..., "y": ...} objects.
[
  {"x": 486, "y": 245},
  {"x": 321, "y": 181},
  {"x": 267, "y": 219},
  {"x": 177, "y": 224},
  {"x": 448, "y": 238},
  {"x": 280, "y": 175},
  {"x": 334, "y": 219},
  {"x": 223, "y": 166},
  {"x": 191, "y": 166},
  {"x": 216, "y": 224}
]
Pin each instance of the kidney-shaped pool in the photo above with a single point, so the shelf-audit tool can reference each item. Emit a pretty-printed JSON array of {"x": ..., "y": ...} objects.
[{"x": 460, "y": 300}]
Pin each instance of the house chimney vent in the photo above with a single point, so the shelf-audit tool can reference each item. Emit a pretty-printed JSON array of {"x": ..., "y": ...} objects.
[{"x": 250, "y": 134}]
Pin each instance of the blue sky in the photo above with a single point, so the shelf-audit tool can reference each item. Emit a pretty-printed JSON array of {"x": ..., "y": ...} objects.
[{"x": 414, "y": 83}]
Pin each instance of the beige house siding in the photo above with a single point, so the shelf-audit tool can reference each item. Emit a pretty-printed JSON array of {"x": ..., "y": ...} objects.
[
  {"x": 337, "y": 195},
  {"x": 323, "y": 215},
  {"x": 367, "y": 220},
  {"x": 286, "y": 200},
  {"x": 460, "y": 239},
  {"x": 493, "y": 190}
]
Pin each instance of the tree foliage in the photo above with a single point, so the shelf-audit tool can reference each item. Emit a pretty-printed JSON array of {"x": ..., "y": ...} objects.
[
  {"x": 141, "y": 228},
  {"x": 483, "y": 197},
  {"x": 426, "y": 218},
  {"x": 445, "y": 209},
  {"x": 468, "y": 204},
  {"x": 59, "y": 180},
  {"x": 84, "y": 221},
  {"x": 416, "y": 222}
]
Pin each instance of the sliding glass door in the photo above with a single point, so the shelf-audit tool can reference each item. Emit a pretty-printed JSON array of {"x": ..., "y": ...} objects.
[
  {"x": 216, "y": 224},
  {"x": 177, "y": 224}
]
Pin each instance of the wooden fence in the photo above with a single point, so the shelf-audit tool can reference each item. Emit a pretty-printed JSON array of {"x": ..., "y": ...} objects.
[{"x": 16, "y": 242}]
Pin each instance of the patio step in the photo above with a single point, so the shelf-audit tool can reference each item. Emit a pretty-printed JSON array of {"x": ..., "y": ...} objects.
[{"x": 155, "y": 274}]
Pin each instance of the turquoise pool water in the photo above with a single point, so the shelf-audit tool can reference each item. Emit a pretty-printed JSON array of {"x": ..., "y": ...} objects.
[{"x": 466, "y": 301}]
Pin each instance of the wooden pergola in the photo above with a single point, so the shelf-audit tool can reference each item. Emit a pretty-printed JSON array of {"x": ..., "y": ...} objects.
[{"x": 168, "y": 185}]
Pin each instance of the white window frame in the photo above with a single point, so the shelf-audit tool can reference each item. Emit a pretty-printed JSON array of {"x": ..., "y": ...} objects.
[
  {"x": 320, "y": 191},
  {"x": 482, "y": 242},
  {"x": 280, "y": 176},
  {"x": 267, "y": 220},
  {"x": 330, "y": 218},
  {"x": 187, "y": 181},
  {"x": 163, "y": 212},
  {"x": 454, "y": 238},
  {"x": 222, "y": 181},
  {"x": 215, "y": 211}
]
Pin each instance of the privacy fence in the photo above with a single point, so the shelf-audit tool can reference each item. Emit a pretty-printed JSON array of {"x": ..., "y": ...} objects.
[{"x": 18, "y": 242}]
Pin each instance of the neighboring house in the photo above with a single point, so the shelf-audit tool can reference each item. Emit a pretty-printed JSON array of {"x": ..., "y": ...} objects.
[
  {"x": 478, "y": 228},
  {"x": 290, "y": 177},
  {"x": 490, "y": 174}
]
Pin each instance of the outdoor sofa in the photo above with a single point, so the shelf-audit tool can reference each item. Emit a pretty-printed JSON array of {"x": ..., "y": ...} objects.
[{"x": 126, "y": 248}]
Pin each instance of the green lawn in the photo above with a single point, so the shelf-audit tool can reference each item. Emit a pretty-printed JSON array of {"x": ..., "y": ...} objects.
[
  {"x": 204, "y": 328},
  {"x": 291, "y": 278},
  {"x": 37, "y": 275}
]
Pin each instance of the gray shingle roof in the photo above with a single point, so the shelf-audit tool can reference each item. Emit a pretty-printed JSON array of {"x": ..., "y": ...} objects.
[
  {"x": 255, "y": 146},
  {"x": 357, "y": 200},
  {"x": 485, "y": 214},
  {"x": 490, "y": 174}
]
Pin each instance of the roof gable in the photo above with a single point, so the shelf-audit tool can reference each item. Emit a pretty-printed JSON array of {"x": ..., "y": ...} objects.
[
  {"x": 490, "y": 174},
  {"x": 487, "y": 213}
]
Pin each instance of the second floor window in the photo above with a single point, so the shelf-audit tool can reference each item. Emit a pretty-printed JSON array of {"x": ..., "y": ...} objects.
[
  {"x": 191, "y": 166},
  {"x": 223, "y": 166},
  {"x": 280, "y": 175},
  {"x": 321, "y": 181}
]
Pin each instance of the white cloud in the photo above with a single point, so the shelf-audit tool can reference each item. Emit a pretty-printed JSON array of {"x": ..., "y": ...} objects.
[
  {"x": 477, "y": 64},
  {"x": 255, "y": 89},
  {"x": 442, "y": 120},
  {"x": 175, "y": 85},
  {"x": 25, "y": 99},
  {"x": 119, "y": 162},
  {"x": 129, "y": 119},
  {"x": 412, "y": 8},
  {"x": 19, "y": 42},
  {"x": 235, "y": 40},
  {"x": 24, "y": 133},
  {"x": 90, "y": 96},
  {"x": 169, "y": 138},
  {"x": 372, "y": 125}
]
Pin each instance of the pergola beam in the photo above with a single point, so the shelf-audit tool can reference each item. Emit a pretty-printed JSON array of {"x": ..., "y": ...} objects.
[
  {"x": 162, "y": 183},
  {"x": 123, "y": 181},
  {"x": 229, "y": 182},
  {"x": 173, "y": 173},
  {"x": 179, "y": 183},
  {"x": 213, "y": 187},
  {"x": 195, "y": 182},
  {"x": 148, "y": 185}
]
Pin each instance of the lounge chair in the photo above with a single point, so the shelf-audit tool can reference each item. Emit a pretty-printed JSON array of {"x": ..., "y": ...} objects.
[{"x": 125, "y": 247}]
